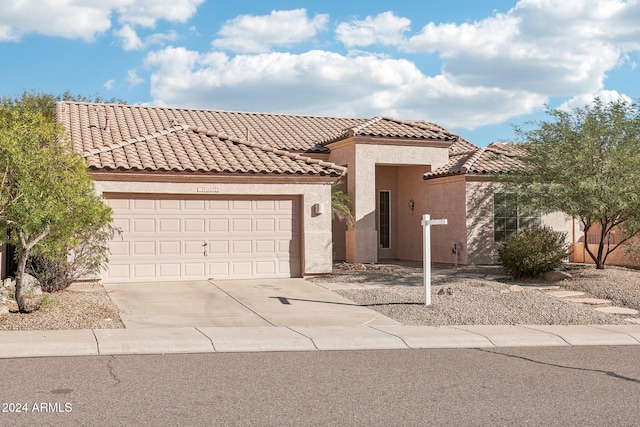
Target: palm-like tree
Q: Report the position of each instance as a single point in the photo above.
(341, 204)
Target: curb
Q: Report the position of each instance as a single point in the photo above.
(100, 342)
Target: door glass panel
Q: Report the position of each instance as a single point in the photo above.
(384, 218)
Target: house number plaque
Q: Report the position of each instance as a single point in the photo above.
(208, 190)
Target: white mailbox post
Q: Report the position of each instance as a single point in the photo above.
(427, 222)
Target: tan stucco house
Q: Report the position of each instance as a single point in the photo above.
(204, 194)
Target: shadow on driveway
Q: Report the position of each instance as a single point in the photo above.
(251, 302)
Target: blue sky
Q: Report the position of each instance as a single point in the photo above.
(475, 67)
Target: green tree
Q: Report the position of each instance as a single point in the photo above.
(585, 163)
(341, 204)
(46, 102)
(46, 193)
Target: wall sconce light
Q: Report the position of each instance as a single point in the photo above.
(412, 205)
(318, 209)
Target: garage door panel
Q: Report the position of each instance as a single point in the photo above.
(242, 268)
(266, 268)
(192, 225)
(194, 269)
(118, 271)
(169, 225)
(242, 247)
(168, 205)
(163, 238)
(266, 225)
(241, 205)
(144, 248)
(219, 225)
(144, 271)
(269, 205)
(170, 270)
(195, 205)
(239, 225)
(192, 247)
(122, 223)
(170, 247)
(265, 246)
(219, 206)
(219, 247)
(119, 248)
(144, 205)
(144, 225)
(285, 225)
(218, 269)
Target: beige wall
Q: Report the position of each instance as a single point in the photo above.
(387, 180)
(481, 248)
(445, 198)
(361, 159)
(480, 237)
(316, 229)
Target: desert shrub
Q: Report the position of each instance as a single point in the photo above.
(57, 267)
(53, 274)
(533, 251)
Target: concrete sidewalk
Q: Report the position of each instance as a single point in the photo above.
(303, 338)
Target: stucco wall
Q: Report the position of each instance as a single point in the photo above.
(445, 198)
(387, 180)
(316, 229)
(482, 249)
(361, 160)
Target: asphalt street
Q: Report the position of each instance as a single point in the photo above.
(481, 387)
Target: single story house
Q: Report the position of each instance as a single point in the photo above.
(204, 194)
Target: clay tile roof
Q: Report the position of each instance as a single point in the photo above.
(121, 137)
(136, 137)
(498, 157)
(394, 128)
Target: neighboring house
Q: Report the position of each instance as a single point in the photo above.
(204, 194)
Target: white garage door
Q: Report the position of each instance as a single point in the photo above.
(200, 238)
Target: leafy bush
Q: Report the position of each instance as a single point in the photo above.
(57, 267)
(533, 251)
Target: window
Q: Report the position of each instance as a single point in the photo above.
(509, 216)
(384, 219)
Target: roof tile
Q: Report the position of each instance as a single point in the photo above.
(117, 136)
(495, 158)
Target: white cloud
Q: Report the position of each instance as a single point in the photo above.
(130, 40)
(83, 19)
(258, 34)
(108, 85)
(580, 101)
(312, 82)
(133, 79)
(493, 70)
(549, 47)
(385, 29)
(146, 13)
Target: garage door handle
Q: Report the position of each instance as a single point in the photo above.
(205, 248)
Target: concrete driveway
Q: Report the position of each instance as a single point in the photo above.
(255, 302)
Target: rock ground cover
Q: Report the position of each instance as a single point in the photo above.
(84, 305)
(462, 296)
(483, 295)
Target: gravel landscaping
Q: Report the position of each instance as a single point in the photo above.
(84, 305)
(462, 296)
(483, 295)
